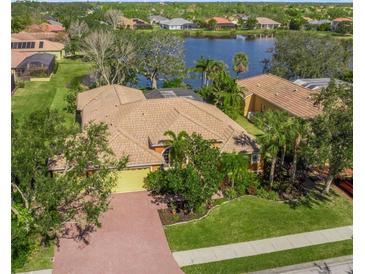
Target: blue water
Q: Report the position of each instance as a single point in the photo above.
(224, 49)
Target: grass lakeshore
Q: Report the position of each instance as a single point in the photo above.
(273, 260)
(251, 218)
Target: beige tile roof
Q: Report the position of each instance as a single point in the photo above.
(266, 21)
(47, 45)
(288, 96)
(35, 35)
(17, 57)
(137, 124)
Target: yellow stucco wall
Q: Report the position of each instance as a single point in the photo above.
(255, 103)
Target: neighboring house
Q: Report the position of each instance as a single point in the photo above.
(267, 23)
(51, 36)
(41, 46)
(45, 27)
(319, 22)
(54, 22)
(125, 22)
(172, 93)
(140, 24)
(269, 92)
(223, 23)
(157, 19)
(38, 65)
(137, 125)
(316, 83)
(177, 24)
(337, 21)
(16, 58)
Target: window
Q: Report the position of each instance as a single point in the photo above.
(255, 158)
(166, 155)
(41, 43)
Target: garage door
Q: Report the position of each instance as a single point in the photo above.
(131, 180)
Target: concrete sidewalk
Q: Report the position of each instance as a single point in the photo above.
(245, 249)
(339, 265)
(44, 271)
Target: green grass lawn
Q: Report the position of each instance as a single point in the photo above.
(41, 258)
(247, 125)
(40, 95)
(252, 218)
(272, 260)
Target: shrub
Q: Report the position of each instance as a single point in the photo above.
(269, 195)
(230, 193)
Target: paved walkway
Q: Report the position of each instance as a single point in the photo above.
(43, 271)
(131, 241)
(244, 249)
(339, 265)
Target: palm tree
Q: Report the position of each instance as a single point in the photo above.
(201, 66)
(215, 67)
(240, 62)
(176, 144)
(235, 165)
(273, 138)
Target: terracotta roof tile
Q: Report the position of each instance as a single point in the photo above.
(286, 95)
(136, 124)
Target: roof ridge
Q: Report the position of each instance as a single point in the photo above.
(117, 94)
(151, 152)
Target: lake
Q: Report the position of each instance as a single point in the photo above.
(224, 49)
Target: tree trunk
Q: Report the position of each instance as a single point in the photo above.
(329, 181)
(283, 152)
(153, 83)
(205, 80)
(295, 157)
(272, 170)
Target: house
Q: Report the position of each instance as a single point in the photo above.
(269, 92)
(316, 83)
(172, 93)
(16, 58)
(140, 24)
(157, 19)
(51, 36)
(319, 22)
(125, 22)
(137, 125)
(177, 24)
(45, 27)
(36, 65)
(54, 22)
(223, 23)
(267, 23)
(38, 46)
(335, 23)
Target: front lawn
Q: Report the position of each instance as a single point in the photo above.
(40, 95)
(273, 260)
(41, 258)
(251, 218)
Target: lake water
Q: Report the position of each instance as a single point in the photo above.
(224, 49)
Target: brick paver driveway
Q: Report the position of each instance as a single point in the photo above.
(131, 240)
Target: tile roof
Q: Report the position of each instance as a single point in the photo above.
(34, 35)
(221, 20)
(17, 57)
(266, 21)
(44, 27)
(283, 93)
(136, 124)
(176, 22)
(342, 19)
(47, 45)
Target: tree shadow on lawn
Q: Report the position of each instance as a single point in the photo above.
(313, 194)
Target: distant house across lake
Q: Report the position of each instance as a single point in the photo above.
(157, 19)
(336, 22)
(223, 23)
(177, 24)
(267, 23)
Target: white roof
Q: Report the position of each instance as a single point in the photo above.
(176, 22)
